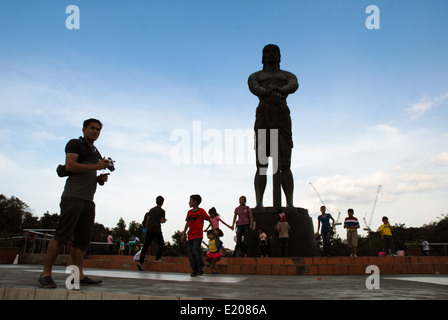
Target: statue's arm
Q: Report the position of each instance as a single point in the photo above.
(255, 87)
(292, 84)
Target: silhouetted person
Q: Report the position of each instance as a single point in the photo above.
(153, 228)
(82, 161)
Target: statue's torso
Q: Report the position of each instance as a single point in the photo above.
(267, 79)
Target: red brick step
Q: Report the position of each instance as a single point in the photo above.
(284, 266)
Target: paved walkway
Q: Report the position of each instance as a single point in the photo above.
(20, 282)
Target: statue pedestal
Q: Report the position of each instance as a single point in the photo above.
(302, 242)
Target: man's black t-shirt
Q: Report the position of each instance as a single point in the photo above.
(154, 217)
(81, 185)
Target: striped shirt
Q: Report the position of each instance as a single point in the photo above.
(351, 223)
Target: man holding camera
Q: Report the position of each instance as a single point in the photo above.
(77, 216)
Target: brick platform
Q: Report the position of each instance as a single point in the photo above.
(387, 265)
(285, 266)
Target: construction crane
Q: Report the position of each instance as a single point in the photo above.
(367, 228)
(337, 223)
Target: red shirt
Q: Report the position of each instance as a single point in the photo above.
(195, 222)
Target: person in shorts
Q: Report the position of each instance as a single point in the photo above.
(351, 223)
(77, 216)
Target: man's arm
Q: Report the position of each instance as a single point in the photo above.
(147, 223)
(72, 165)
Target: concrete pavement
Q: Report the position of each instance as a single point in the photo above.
(20, 282)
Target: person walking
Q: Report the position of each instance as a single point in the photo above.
(213, 255)
(153, 228)
(195, 224)
(110, 244)
(425, 247)
(244, 224)
(326, 229)
(215, 219)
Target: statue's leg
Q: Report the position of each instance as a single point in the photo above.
(287, 178)
(260, 182)
(288, 187)
(261, 155)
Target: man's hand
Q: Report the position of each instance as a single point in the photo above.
(102, 178)
(102, 164)
(72, 165)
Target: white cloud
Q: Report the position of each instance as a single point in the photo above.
(47, 136)
(424, 105)
(419, 108)
(440, 160)
(6, 166)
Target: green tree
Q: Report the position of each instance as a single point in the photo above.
(136, 229)
(120, 230)
(30, 221)
(100, 233)
(178, 248)
(49, 221)
(13, 212)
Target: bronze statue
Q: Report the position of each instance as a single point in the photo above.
(273, 133)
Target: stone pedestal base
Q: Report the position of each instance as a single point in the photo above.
(302, 242)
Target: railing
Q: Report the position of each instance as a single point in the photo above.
(36, 241)
(435, 249)
(11, 241)
(442, 247)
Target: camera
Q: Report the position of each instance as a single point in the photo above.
(111, 166)
(62, 172)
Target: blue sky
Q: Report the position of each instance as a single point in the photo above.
(371, 108)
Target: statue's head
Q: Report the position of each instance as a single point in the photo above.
(271, 54)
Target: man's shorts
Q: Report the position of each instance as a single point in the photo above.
(76, 220)
(352, 238)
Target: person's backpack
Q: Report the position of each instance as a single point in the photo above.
(144, 219)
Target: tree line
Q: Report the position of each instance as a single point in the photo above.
(15, 216)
